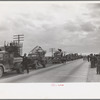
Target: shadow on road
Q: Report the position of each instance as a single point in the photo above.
(14, 73)
(9, 74)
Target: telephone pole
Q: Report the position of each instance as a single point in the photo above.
(18, 38)
(52, 51)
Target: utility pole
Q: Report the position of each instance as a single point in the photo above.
(64, 53)
(18, 38)
(52, 51)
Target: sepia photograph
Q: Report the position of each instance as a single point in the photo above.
(49, 42)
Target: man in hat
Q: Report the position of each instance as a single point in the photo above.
(25, 63)
(92, 60)
(98, 64)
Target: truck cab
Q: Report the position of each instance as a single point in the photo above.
(9, 63)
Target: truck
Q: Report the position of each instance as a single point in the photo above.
(10, 59)
(58, 57)
(36, 57)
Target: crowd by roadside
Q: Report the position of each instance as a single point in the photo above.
(94, 68)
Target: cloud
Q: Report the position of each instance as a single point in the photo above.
(94, 6)
(67, 26)
(88, 27)
(94, 10)
(71, 26)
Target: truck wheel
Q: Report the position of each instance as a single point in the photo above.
(43, 65)
(1, 72)
(20, 71)
(36, 66)
(17, 71)
(33, 66)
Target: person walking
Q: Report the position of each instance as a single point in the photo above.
(92, 60)
(98, 65)
(25, 63)
(88, 58)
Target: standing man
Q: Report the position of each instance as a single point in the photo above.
(88, 58)
(98, 64)
(25, 63)
(93, 60)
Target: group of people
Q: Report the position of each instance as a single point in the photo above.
(29, 62)
(93, 59)
(95, 62)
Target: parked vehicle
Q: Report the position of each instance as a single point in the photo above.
(10, 60)
(37, 57)
(59, 57)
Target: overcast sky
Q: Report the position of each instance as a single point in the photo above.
(73, 27)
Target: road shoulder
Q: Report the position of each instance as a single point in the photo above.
(92, 75)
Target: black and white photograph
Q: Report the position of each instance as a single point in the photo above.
(49, 42)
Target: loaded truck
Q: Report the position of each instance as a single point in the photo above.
(59, 57)
(10, 59)
(36, 57)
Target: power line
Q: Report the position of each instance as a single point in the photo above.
(18, 38)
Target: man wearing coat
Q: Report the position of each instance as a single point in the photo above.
(98, 64)
(25, 63)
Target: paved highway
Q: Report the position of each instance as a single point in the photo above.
(72, 71)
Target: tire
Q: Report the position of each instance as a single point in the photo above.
(33, 66)
(36, 66)
(20, 70)
(43, 65)
(1, 72)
